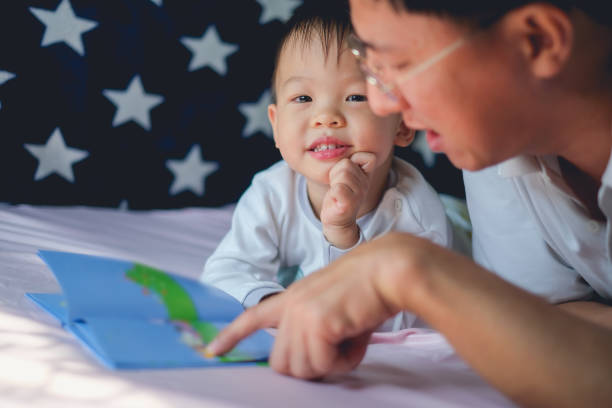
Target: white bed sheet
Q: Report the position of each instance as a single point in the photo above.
(42, 365)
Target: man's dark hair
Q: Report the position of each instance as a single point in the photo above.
(486, 12)
(330, 23)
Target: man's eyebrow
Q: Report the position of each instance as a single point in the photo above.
(376, 47)
(368, 45)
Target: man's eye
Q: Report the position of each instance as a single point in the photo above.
(302, 99)
(357, 98)
(401, 67)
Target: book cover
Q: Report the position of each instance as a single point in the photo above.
(131, 315)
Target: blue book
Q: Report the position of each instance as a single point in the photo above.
(131, 315)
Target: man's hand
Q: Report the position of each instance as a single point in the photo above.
(348, 186)
(325, 320)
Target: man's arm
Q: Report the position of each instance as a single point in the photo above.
(535, 353)
(595, 312)
(532, 351)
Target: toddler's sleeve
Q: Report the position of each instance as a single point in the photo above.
(335, 253)
(247, 259)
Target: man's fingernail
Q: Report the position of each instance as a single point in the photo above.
(211, 350)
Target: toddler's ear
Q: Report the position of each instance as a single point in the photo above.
(272, 119)
(404, 136)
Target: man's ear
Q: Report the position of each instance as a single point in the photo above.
(545, 36)
(404, 136)
(272, 119)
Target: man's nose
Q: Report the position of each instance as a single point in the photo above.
(383, 104)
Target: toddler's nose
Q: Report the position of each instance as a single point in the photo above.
(329, 119)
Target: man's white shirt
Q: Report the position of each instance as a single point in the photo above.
(529, 228)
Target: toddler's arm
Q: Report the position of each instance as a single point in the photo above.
(246, 261)
(348, 186)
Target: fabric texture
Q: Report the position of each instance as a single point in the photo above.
(529, 227)
(44, 366)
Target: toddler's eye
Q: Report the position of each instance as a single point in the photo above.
(302, 99)
(357, 98)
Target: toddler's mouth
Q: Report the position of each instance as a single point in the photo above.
(324, 147)
(327, 148)
(326, 143)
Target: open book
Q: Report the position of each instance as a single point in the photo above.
(134, 316)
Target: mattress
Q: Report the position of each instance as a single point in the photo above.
(42, 365)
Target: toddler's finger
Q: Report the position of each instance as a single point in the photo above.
(342, 195)
(349, 173)
(338, 168)
(365, 160)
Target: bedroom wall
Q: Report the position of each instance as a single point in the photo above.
(144, 103)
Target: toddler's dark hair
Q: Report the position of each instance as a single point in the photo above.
(330, 23)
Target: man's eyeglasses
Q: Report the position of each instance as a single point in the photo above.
(374, 76)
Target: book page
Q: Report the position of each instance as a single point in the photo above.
(103, 287)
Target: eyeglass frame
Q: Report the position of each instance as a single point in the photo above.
(358, 49)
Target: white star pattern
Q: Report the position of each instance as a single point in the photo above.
(209, 50)
(62, 25)
(133, 104)
(277, 9)
(143, 80)
(5, 76)
(191, 172)
(55, 157)
(420, 146)
(257, 116)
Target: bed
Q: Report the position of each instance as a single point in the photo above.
(44, 366)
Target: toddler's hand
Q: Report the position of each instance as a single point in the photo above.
(348, 186)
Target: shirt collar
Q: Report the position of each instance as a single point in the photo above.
(606, 179)
(547, 166)
(518, 166)
(522, 165)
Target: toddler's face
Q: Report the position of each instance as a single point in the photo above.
(322, 114)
